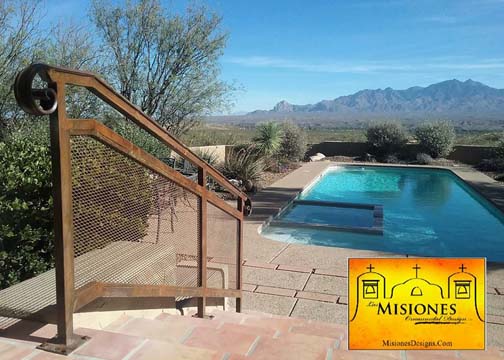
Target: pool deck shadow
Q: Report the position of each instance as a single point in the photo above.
(310, 281)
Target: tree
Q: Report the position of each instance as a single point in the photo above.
(166, 64)
(71, 46)
(18, 41)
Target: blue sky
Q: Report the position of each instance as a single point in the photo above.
(306, 51)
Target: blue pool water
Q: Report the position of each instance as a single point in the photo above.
(426, 212)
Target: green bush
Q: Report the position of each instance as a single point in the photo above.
(293, 145)
(122, 193)
(244, 165)
(436, 139)
(26, 210)
(386, 138)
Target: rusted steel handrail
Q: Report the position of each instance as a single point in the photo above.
(51, 101)
(27, 98)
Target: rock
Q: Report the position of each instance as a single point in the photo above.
(317, 157)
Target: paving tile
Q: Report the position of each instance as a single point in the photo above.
(334, 272)
(188, 320)
(343, 300)
(499, 291)
(292, 346)
(489, 354)
(495, 304)
(260, 265)
(277, 305)
(317, 296)
(327, 284)
(100, 346)
(248, 329)
(495, 335)
(431, 354)
(157, 329)
(13, 352)
(321, 329)
(316, 310)
(222, 340)
(275, 278)
(227, 317)
(275, 291)
(363, 355)
(44, 355)
(249, 287)
(321, 257)
(158, 350)
(281, 324)
(302, 269)
(495, 319)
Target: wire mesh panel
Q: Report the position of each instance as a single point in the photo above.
(131, 225)
(222, 248)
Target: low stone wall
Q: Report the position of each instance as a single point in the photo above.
(219, 151)
(468, 154)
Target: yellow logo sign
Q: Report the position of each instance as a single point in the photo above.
(413, 303)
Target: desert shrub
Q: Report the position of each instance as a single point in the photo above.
(424, 159)
(495, 164)
(293, 145)
(391, 159)
(26, 210)
(499, 149)
(209, 156)
(436, 139)
(244, 165)
(386, 138)
(268, 138)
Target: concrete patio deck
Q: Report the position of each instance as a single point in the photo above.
(310, 282)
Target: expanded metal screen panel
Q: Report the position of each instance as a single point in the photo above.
(131, 225)
(222, 248)
(149, 143)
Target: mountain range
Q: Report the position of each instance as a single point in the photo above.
(450, 95)
(467, 103)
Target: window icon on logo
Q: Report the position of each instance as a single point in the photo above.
(370, 289)
(462, 289)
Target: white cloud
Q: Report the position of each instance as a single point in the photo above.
(447, 20)
(362, 67)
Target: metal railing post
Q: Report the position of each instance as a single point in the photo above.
(239, 256)
(202, 243)
(66, 340)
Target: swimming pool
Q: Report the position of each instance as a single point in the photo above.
(426, 212)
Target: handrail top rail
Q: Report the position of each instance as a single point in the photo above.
(26, 97)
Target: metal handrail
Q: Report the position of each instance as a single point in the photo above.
(51, 101)
(27, 99)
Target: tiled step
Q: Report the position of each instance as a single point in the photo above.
(227, 336)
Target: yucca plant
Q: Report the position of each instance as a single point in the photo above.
(269, 138)
(244, 165)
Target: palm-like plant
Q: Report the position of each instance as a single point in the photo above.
(269, 138)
